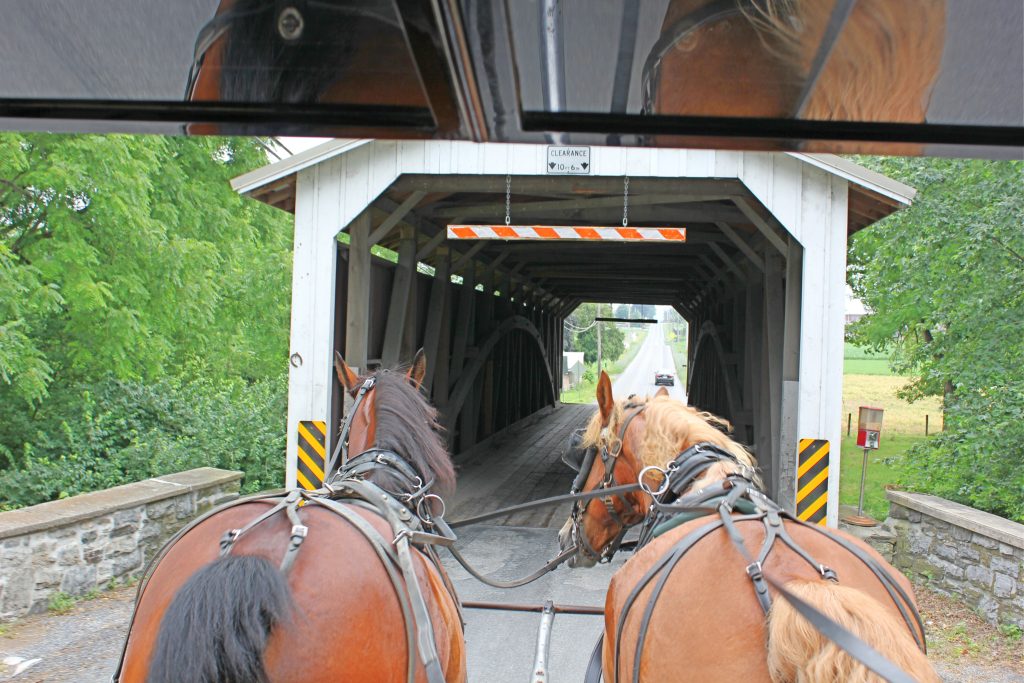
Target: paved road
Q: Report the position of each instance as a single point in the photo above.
(638, 377)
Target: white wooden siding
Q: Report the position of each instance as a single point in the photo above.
(807, 200)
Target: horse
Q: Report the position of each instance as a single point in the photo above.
(337, 584)
(693, 602)
(846, 60)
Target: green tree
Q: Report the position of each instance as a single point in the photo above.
(944, 281)
(125, 255)
(582, 329)
(129, 267)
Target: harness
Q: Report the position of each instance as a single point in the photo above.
(736, 500)
(408, 513)
(608, 459)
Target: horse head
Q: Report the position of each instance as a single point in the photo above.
(634, 441)
(390, 414)
(611, 443)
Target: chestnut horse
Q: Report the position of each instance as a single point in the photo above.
(693, 603)
(309, 586)
(831, 60)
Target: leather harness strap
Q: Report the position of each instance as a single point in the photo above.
(349, 487)
(724, 498)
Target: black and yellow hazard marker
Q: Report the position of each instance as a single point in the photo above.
(312, 454)
(812, 481)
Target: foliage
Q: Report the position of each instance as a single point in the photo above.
(582, 333)
(125, 255)
(115, 432)
(143, 312)
(61, 603)
(944, 284)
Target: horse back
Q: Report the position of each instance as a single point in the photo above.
(346, 621)
(707, 623)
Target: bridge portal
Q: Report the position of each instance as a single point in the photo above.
(759, 276)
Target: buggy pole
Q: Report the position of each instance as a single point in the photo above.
(540, 663)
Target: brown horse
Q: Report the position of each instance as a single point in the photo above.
(836, 60)
(333, 609)
(709, 622)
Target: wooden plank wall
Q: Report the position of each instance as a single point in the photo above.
(511, 383)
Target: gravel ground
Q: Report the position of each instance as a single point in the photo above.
(82, 646)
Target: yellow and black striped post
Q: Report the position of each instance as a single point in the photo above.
(312, 454)
(812, 481)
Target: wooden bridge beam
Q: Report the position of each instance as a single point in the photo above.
(401, 299)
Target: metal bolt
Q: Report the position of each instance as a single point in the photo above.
(290, 24)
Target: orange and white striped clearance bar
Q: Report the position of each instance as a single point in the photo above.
(560, 232)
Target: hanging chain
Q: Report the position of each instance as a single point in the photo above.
(625, 202)
(508, 199)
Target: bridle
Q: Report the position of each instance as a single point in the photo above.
(415, 485)
(720, 10)
(609, 458)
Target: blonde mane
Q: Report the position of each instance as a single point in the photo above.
(884, 64)
(670, 428)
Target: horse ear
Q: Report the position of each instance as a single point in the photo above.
(661, 392)
(418, 369)
(604, 397)
(348, 379)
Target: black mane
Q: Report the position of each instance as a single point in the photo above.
(407, 424)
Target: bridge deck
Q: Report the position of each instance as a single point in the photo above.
(522, 464)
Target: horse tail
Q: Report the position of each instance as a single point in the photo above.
(799, 653)
(216, 627)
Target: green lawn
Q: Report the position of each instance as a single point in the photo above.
(866, 366)
(858, 361)
(881, 471)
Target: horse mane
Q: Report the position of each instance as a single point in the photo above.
(671, 427)
(408, 425)
(883, 65)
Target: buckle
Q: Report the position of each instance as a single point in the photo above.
(754, 571)
(299, 531)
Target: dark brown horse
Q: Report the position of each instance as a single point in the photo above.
(686, 605)
(306, 594)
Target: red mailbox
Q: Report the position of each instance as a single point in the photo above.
(869, 427)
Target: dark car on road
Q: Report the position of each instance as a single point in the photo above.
(664, 377)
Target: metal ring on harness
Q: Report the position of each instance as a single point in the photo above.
(647, 489)
(429, 514)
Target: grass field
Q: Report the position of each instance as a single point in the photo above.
(881, 471)
(857, 361)
(900, 417)
(868, 381)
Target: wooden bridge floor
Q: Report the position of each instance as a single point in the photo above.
(522, 464)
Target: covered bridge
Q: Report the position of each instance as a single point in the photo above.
(760, 277)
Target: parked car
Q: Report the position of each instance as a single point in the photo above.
(665, 377)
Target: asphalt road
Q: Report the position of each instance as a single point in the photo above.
(638, 377)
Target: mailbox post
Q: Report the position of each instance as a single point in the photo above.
(869, 436)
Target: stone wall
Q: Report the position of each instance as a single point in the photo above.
(84, 542)
(961, 551)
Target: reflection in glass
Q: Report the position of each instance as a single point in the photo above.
(304, 52)
(853, 60)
